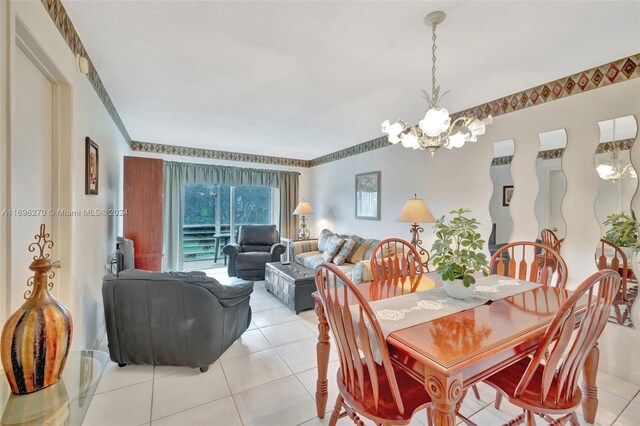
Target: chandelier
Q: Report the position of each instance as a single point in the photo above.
(613, 170)
(436, 129)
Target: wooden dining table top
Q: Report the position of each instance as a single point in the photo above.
(458, 340)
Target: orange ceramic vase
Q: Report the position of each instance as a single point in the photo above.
(37, 337)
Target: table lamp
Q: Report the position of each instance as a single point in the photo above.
(303, 209)
(416, 211)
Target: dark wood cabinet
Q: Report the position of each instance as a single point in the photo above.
(143, 181)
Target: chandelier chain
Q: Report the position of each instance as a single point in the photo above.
(433, 67)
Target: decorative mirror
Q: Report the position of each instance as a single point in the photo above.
(552, 184)
(618, 184)
(502, 191)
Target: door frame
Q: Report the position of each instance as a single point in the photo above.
(18, 36)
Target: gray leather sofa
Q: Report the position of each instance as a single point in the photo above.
(257, 245)
(173, 318)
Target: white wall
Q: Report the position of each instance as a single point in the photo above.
(461, 178)
(91, 240)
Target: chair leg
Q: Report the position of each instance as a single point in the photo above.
(498, 400)
(530, 418)
(429, 419)
(476, 392)
(574, 419)
(335, 414)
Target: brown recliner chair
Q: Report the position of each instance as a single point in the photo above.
(256, 245)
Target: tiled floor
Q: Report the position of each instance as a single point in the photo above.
(268, 378)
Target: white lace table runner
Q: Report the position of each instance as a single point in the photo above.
(411, 309)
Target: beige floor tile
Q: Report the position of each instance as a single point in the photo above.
(311, 322)
(252, 326)
(265, 304)
(168, 370)
(631, 415)
(187, 389)
(609, 407)
(346, 421)
(130, 405)
(115, 377)
(254, 370)
(301, 356)
(486, 417)
(273, 316)
(250, 342)
(281, 403)
(617, 386)
(220, 412)
(289, 332)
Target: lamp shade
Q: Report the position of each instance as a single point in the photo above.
(303, 208)
(415, 211)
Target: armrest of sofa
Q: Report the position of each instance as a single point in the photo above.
(277, 250)
(232, 251)
(297, 247)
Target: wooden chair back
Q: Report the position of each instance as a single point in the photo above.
(550, 239)
(395, 258)
(617, 261)
(562, 357)
(529, 261)
(354, 327)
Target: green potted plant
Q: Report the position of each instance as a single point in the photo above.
(457, 253)
(622, 230)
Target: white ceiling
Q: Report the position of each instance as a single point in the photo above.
(303, 79)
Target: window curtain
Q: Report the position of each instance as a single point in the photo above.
(288, 202)
(176, 175)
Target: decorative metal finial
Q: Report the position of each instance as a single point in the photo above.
(42, 243)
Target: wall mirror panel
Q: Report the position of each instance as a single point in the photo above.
(618, 185)
(552, 185)
(502, 191)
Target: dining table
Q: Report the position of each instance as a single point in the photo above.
(452, 353)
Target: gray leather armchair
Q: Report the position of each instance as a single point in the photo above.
(257, 245)
(173, 318)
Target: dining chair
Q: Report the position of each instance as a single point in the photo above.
(547, 384)
(395, 258)
(614, 258)
(530, 261)
(369, 385)
(550, 238)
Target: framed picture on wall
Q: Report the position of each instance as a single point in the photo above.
(507, 193)
(368, 196)
(91, 166)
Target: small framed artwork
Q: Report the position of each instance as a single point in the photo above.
(91, 167)
(368, 196)
(507, 193)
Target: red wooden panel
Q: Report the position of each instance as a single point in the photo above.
(143, 203)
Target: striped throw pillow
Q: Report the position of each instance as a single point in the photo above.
(323, 239)
(344, 252)
(332, 248)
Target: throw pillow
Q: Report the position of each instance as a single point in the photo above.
(323, 238)
(363, 250)
(344, 252)
(332, 248)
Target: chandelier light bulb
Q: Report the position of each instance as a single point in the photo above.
(435, 122)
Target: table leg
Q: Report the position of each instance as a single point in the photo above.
(322, 351)
(589, 388)
(445, 392)
(216, 250)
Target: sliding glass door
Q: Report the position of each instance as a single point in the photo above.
(212, 211)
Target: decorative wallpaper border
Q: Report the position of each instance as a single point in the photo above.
(60, 18)
(622, 144)
(604, 75)
(218, 155)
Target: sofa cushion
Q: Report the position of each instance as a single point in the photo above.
(252, 260)
(252, 247)
(344, 252)
(332, 248)
(363, 250)
(323, 238)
